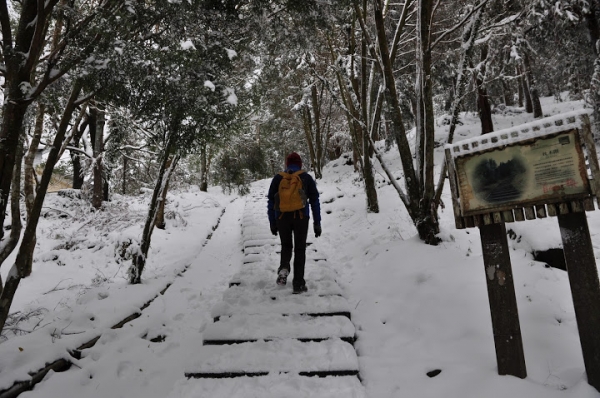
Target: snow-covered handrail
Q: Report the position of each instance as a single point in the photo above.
(535, 129)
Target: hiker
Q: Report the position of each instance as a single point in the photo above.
(290, 194)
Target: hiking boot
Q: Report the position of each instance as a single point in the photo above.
(300, 289)
(282, 276)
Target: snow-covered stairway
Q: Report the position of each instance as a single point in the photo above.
(267, 342)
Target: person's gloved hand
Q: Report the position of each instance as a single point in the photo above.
(317, 230)
(274, 229)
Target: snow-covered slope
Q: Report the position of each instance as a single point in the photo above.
(416, 308)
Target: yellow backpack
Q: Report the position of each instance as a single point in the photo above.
(291, 195)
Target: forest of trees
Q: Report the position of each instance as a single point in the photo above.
(154, 94)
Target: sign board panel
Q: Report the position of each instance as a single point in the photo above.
(541, 170)
(546, 167)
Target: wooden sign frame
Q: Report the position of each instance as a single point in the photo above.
(580, 169)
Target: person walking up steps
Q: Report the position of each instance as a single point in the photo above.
(290, 194)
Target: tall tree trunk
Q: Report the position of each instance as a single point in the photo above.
(368, 173)
(78, 178)
(164, 174)
(316, 107)
(427, 223)
(397, 124)
(526, 92)
(98, 190)
(308, 132)
(536, 106)
(351, 117)
(125, 171)
(30, 176)
(483, 104)
(204, 168)
(160, 215)
(484, 110)
(17, 59)
(22, 266)
(520, 84)
(106, 187)
(419, 197)
(591, 21)
(595, 92)
(468, 44)
(8, 245)
(12, 124)
(30, 181)
(507, 93)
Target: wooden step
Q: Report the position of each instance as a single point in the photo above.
(253, 258)
(263, 235)
(261, 274)
(241, 328)
(332, 357)
(271, 386)
(301, 304)
(267, 286)
(268, 241)
(272, 240)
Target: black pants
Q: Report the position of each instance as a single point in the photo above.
(291, 224)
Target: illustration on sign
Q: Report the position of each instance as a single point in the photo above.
(499, 183)
(546, 167)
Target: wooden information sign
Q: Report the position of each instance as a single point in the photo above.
(548, 167)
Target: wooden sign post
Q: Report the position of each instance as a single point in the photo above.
(503, 302)
(545, 168)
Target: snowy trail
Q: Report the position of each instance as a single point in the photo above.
(266, 342)
(146, 357)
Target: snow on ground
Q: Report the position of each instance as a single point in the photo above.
(416, 308)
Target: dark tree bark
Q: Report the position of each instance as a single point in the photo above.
(591, 21)
(595, 94)
(30, 181)
(368, 173)
(427, 226)
(78, 178)
(507, 94)
(12, 123)
(204, 166)
(8, 245)
(19, 68)
(417, 201)
(316, 107)
(536, 106)
(483, 104)
(125, 171)
(160, 215)
(164, 174)
(106, 189)
(22, 266)
(526, 89)
(77, 171)
(98, 146)
(308, 133)
(520, 89)
(468, 44)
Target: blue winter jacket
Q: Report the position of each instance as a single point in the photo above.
(310, 188)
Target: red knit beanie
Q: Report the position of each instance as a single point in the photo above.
(293, 158)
